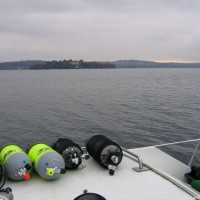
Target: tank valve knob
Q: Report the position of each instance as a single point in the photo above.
(75, 160)
(85, 191)
(28, 166)
(112, 169)
(115, 159)
(63, 171)
(50, 172)
(55, 170)
(27, 176)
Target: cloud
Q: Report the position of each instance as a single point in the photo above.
(99, 30)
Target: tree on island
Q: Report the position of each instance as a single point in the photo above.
(73, 64)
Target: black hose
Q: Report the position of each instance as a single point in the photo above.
(2, 176)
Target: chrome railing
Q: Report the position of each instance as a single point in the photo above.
(182, 142)
(143, 166)
(139, 160)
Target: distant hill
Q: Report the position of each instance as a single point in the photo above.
(19, 64)
(70, 64)
(151, 64)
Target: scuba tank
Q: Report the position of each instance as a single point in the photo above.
(47, 162)
(6, 194)
(16, 162)
(89, 196)
(70, 151)
(106, 152)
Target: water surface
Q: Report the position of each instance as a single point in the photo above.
(134, 107)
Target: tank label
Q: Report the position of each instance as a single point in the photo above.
(37, 151)
(9, 151)
(43, 150)
(8, 154)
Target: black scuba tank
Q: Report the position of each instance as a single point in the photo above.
(89, 196)
(106, 152)
(70, 151)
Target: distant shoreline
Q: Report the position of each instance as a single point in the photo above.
(74, 64)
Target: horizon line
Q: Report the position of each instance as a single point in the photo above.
(157, 61)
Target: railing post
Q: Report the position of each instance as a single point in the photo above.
(141, 166)
(193, 154)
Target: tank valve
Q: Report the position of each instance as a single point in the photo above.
(73, 156)
(6, 194)
(112, 169)
(115, 159)
(23, 172)
(55, 170)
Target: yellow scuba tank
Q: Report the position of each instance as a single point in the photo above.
(16, 162)
(48, 163)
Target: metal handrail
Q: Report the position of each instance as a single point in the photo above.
(144, 166)
(141, 166)
(183, 187)
(181, 142)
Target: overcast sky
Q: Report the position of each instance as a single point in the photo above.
(160, 30)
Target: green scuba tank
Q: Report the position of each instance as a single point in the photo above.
(48, 163)
(16, 162)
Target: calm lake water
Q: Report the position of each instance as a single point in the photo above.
(134, 107)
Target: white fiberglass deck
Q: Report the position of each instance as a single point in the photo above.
(126, 184)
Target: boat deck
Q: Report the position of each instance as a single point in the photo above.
(126, 183)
